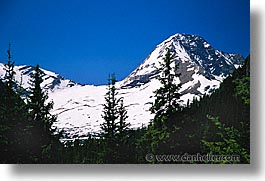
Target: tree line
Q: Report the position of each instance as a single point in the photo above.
(216, 124)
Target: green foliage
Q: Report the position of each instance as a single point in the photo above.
(228, 143)
(243, 89)
(242, 82)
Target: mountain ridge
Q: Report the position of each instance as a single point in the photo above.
(51, 81)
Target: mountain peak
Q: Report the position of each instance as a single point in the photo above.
(194, 55)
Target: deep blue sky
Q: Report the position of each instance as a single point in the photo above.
(85, 40)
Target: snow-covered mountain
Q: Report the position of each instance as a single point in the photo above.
(52, 81)
(79, 108)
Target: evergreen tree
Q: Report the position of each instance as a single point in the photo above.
(13, 117)
(167, 95)
(110, 116)
(43, 141)
(39, 110)
(114, 128)
(10, 83)
(4, 125)
(110, 110)
(166, 103)
(9, 69)
(124, 136)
